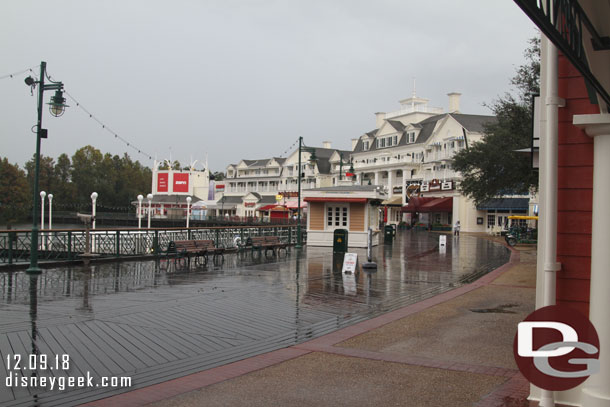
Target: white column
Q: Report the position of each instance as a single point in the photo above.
(391, 174)
(404, 187)
(376, 178)
(596, 392)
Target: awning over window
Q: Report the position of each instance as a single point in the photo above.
(334, 199)
(274, 208)
(438, 205)
(504, 204)
(395, 201)
(415, 203)
(293, 204)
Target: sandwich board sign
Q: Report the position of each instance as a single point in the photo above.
(442, 241)
(349, 263)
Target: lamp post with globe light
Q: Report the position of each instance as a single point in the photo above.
(312, 160)
(188, 210)
(57, 108)
(149, 197)
(42, 196)
(93, 208)
(140, 198)
(50, 196)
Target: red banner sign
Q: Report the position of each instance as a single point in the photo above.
(162, 181)
(181, 182)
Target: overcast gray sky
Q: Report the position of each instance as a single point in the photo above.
(243, 79)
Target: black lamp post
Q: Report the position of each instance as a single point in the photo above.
(56, 107)
(351, 169)
(312, 159)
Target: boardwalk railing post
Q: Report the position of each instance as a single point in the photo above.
(11, 240)
(289, 234)
(118, 243)
(156, 243)
(69, 245)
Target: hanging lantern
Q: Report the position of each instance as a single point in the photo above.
(57, 105)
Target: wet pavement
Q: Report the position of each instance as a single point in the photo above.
(154, 322)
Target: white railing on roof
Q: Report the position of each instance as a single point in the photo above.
(413, 109)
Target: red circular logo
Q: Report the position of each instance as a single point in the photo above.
(556, 348)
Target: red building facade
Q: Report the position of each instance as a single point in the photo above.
(575, 191)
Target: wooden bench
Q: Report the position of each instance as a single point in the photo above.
(267, 243)
(185, 249)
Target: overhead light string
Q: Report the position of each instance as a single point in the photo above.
(14, 74)
(289, 149)
(105, 127)
(108, 129)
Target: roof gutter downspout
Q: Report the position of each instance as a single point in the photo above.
(549, 185)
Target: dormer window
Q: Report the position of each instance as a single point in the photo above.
(411, 136)
(389, 141)
(365, 145)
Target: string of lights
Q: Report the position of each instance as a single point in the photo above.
(91, 115)
(12, 75)
(106, 128)
(289, 149)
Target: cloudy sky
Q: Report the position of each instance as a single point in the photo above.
(238, 79)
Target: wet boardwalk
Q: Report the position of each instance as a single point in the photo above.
(139, 319)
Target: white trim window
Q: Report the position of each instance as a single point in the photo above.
(365, 145)
(411, 135)
(337, 216)
(491, 220)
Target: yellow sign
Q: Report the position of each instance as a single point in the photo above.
(279, 197)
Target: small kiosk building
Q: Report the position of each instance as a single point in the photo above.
(351, 207)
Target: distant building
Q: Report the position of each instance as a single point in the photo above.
(170, 188)
(410, 153)
(254, 184)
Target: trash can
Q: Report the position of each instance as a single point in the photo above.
(388, 233)
(340, 241)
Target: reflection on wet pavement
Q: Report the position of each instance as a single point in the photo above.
(154, 321)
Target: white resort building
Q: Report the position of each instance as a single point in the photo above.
(253, 186)
(410, 153)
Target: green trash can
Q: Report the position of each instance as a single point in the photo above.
(340, 241)
(388, 233)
